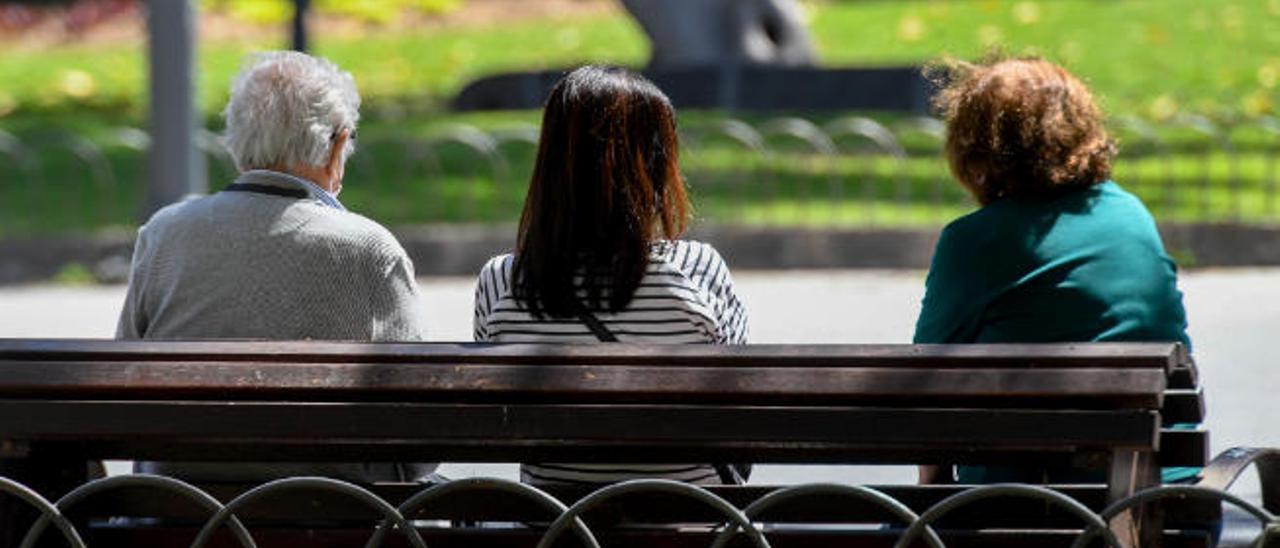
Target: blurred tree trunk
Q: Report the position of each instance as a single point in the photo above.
(716, 32)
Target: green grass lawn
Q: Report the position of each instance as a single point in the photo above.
(1144, 57)
(1153, 60)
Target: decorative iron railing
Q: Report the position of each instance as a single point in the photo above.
(567, 519)
(844, 171)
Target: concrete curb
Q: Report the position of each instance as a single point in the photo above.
(460, 250)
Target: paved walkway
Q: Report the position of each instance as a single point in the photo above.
(1234, 315)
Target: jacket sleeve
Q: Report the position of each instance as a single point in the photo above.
(132, 323)
(398, 304)
(486, 296)
(954, 293)
(731, 314)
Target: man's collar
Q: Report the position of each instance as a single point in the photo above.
(286, 180)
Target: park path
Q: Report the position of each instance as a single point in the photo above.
(1234, 314)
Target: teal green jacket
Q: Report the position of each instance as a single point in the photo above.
(1084, 266)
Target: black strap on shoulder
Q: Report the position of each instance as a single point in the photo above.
(267, 189)
(595, 325)
(730, 474)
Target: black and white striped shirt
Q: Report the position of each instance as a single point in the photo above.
(686, 296)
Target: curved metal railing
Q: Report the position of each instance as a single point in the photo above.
(735, 521)
(844, 171)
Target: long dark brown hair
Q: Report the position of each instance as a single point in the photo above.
(605, 185)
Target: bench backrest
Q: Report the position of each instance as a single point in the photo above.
(238, 400)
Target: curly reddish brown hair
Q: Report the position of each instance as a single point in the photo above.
(1021, 128)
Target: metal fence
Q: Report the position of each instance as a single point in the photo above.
(842, 171)
(567, 519)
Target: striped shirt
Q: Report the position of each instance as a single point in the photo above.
(686, 296)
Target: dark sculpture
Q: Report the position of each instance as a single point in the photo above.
(685, 33)
(729, 54)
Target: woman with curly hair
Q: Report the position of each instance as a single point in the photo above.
(1057, 252)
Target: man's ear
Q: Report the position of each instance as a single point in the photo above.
(334, 169)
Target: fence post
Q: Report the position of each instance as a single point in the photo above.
(300, 9)
(175, 167)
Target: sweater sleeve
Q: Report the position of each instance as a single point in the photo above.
(133, 320)
(709, 271)
(953, 293)
(488, 283)
(731, 314)
(397, 303)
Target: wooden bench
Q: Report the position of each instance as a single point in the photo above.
(1103, 406)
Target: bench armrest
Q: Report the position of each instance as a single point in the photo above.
(1225, 468)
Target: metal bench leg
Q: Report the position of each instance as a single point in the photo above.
(1133, 471)
(51, 475)
(1271, 537)
(1269, 477)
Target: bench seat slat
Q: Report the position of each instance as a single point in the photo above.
(1183, 406)
(1086, 388)
(1159, 355)
(1183, 447)
(397, 431)
(1185, 378)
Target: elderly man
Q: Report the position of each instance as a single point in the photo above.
(275, 255)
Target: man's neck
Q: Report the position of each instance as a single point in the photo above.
(314, 174)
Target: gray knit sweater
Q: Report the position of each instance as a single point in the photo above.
(245, 265)
(258, 266)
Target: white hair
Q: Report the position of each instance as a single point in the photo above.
(286, 108)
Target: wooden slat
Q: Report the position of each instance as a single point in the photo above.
(1057, 388)
(1183, 378)
(388, 431)
(599, 451)
(1183, 406)
(1125, 355)
(1183, 447)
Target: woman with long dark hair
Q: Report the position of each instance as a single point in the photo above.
(598, 256)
